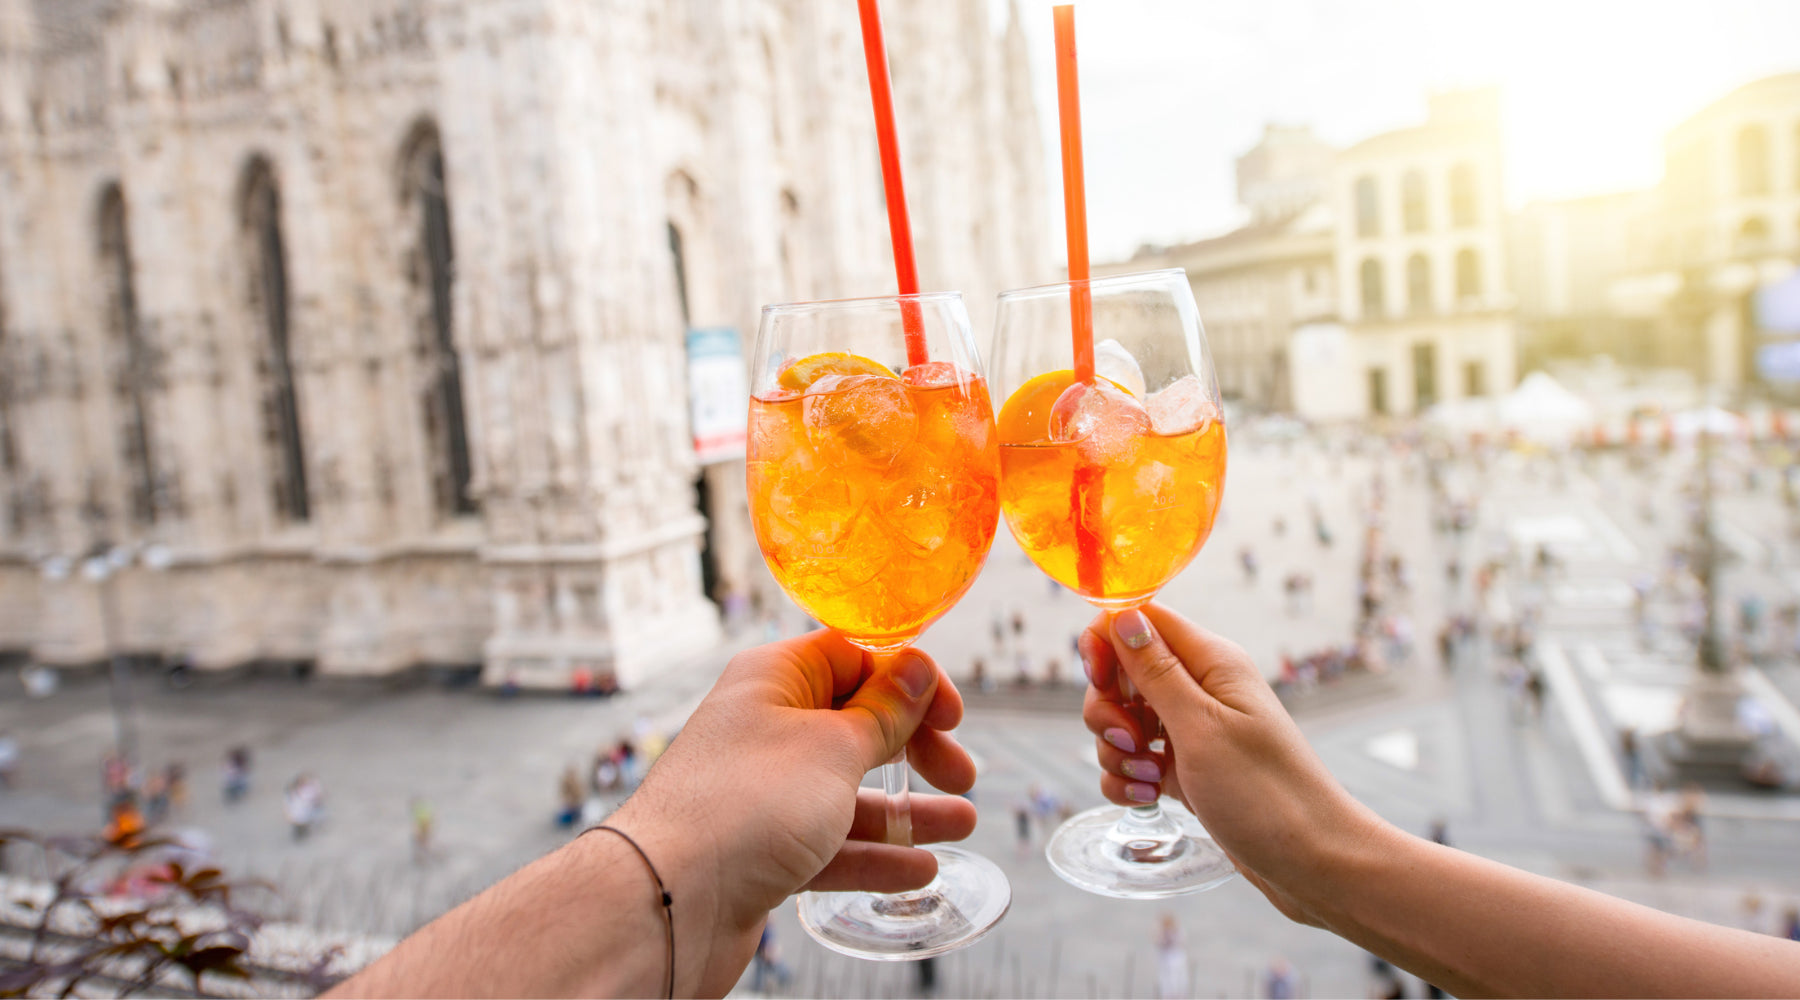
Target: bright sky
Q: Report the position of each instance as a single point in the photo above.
(1173, 90)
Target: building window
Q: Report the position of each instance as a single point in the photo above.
(433, 271)
(1463, 210)
(1418, 284)
(1412, 201)
(1424, 364)
(1368, 208)
(1378, 401)
(1474, 379)
(133, 365)
(1753, 160)
(680, 262)
(1373, 303)
(260, 212)
(1468, 275)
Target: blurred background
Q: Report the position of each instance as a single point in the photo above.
(373, 395)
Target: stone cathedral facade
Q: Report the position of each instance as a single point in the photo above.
(368, 316)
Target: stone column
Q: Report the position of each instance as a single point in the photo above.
(571, 343)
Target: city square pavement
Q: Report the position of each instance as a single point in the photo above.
(1418, 744)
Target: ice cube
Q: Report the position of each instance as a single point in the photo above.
(927, 494)
(1107, 425)
(863, 418)
(934, 375)
(1181, 407)
(1113, 361)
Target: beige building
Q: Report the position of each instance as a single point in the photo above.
(1257, 284)
(1420, 254)
(368, 315)
(1666, 277)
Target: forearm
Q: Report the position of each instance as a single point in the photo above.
(583, 921)
(1479, 928)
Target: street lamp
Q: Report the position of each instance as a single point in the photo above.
(101, 564)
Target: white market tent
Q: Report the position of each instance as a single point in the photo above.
(1538, 409)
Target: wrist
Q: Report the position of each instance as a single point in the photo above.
(686, 862)
(1348, 864)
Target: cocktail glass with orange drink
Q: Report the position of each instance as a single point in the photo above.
(1111, 486)
(874, 492)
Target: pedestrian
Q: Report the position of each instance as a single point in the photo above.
(1247, 558)
(9, 759)
(1534, 692)
(1659, 821)
(766, 968)
(156, 798)
(235, 779)
(1446, 644)
(1689, 830)
(1280, 983)
(1440, 831)
(303, 803)
(175, 782)
(1171, 960)
(1634, 758)
(421, 829)
(125, 824)
(568, 797)
(1790, 923)
(927, 972)
(1387, 980)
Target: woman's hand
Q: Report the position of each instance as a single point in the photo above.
(758, 797)
(1232, 755)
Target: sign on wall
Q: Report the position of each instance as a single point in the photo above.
(718, 393)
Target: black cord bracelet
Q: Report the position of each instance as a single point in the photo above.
(662, 894)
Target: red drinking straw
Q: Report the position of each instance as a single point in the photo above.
(1068, 102)
(881, 92)
(1086, 490)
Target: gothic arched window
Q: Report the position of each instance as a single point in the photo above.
(1372, 299)
(1468, 275)
(133, 365)
(680, 261)
(1418, 284)
(260, 216)
(1463, 197)
(1412, 201)
(9, 452)
(1368, 207)
(1753, 160)
(433, 264)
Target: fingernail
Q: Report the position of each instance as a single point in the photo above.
(1134, 628)
(913, 675)
(1142, 770)
(1121, 739)
(1140, 792)
(1087, 667)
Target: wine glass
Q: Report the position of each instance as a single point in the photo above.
(1111, 485)
(873, 483)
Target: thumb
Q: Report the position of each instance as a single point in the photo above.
(888, 707)
(1153, 667)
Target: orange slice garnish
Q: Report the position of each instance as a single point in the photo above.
(805, 371)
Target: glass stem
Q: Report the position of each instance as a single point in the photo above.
(1149, 817)
(895, 782)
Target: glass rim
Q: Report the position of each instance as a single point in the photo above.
(863, 300)
(1129, 278)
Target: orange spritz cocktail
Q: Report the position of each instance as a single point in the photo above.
(1140, 479)
(873, 494)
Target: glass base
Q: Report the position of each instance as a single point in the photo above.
(958, 908)
(1126, 854)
